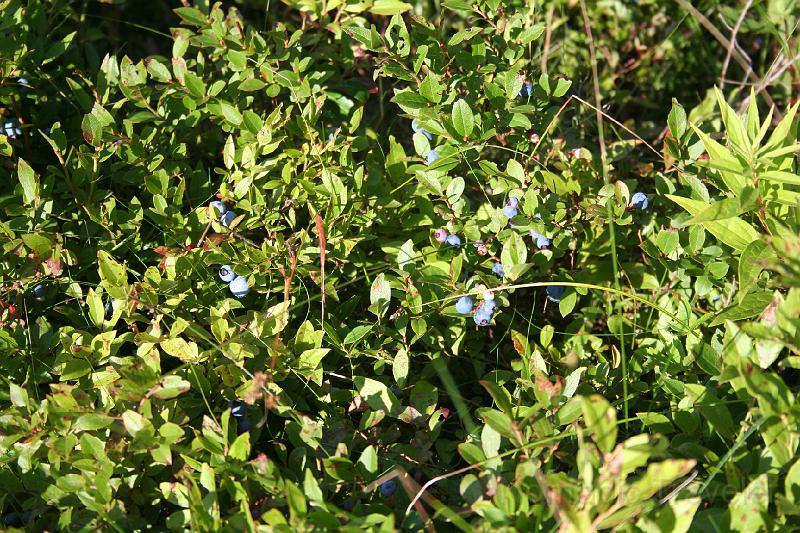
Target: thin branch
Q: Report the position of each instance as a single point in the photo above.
(732, 43)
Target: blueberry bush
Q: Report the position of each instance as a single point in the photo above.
(462, 265)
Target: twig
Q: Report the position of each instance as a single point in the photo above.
(287, 286)
(322, 244)
(548, 33)
(732, 42)
(743, 61)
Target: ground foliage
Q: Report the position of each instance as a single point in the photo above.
(638, 368)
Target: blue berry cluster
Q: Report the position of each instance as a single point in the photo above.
(511, 208)
(226, 216)
(483, 314)
(236, 284)
(11, 130)
(239, 412)
(432, 155)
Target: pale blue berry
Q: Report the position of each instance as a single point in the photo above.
(219, 206)
(488, 307)
(226, 273)
(432, 156)
(541, 240)
(498, 269)
(640, 201)
(527, 90)
(227, 218)
(509, 211)
(238, 408)
(464, 305)
(239, 286)
(482, 318)
(453, 240)
(513, 202)
(419, 129)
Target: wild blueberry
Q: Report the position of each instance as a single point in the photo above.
(554, 293)
(432, 156)
(419, 129)
(453, 240)
(226, 273)
(440, 235)
(227, 218)
(640, 201)
(541, 240)
(219, 206)
(464, 305)
(108, 309)
(10, 131)
(39, 292)
(488, 307)
(498, 269)
(238, 408)
(243, 425)
(239, 287)
(13, 520)
(23, 85)
(481, 317)
(510, 211)
(388, 487)
(513, 202)
(527, 90)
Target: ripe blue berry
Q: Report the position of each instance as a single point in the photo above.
(227, 218)
(453, 240)
(388, 487)
(39, 292)
(488, 307)
(513, 202)
(432, 156)
(464, 305)
(108, 309)
(219, 206)
(498, 269)
(554, 293)
(527, 90)
(239, 287)
(243, 425)
(419, 129)
(481, 317)
(509, 211)
(23, 85)
(226, 273)
(541, 240)
(640, 201)
(238, 408)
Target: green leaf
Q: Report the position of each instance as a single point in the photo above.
(749, 507)
(601, 421)
(752, 305)
(389, 7)
(515, 252)
(734, 232)
(463, 121)
(192, 16)
(29, 181)
(677, 120)
(752, 262)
